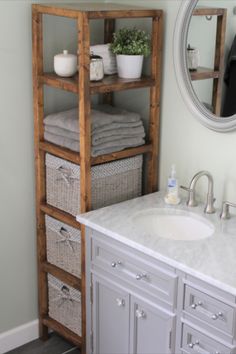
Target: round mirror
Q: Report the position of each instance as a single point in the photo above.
(205, 60)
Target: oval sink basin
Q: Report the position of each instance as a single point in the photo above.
(173, 224)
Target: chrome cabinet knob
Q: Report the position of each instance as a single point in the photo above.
(215, 316)
(141, 276)
(120, 302)
(140, 314)
(191, 345)
(194, 306)
(115, 264)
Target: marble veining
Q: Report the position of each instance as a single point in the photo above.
(212, 259)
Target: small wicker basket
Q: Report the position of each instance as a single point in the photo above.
(112, 182)
(64, 304)
(63, 246)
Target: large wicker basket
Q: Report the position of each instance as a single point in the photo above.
(64, 304)
(112, 182)
(63, 246)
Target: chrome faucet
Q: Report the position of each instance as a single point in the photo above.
(209, 208)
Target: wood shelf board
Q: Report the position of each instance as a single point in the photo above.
(110, 83)
(203, 73)
(96, 10)
(209, 11)
(62, 330)
(147, 148)
(59, 151)
(74, 157)
(60, 215)
(62, 275)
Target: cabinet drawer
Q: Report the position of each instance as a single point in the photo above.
(194, 341)
(146, 276)
(208, 309)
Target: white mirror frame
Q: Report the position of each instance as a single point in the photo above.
(207, 118)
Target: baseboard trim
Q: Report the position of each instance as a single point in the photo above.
(18, 336)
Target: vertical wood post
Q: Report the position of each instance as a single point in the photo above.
(85, 147)
(154, 119)
(219, 63)
(37, 29)
(109, 29)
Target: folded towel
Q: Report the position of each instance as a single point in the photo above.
(99, 135)
(102, 116)
(101, 149)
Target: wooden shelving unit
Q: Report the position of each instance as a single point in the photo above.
(82, 86)
(216, 73)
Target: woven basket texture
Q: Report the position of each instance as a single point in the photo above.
(112, 183)
(64, 304)
(63, 246)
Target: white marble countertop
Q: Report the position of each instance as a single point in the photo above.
(212, 259)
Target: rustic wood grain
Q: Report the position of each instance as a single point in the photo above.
(61, 152)
(109, 29)
(122, 154)
(85, 147)
(203, 73)
(60, 215)
(219, 63)
(154, 119)
(96, 11)
(110, 83)
(37, 46)
(62, 330)
(62, 275)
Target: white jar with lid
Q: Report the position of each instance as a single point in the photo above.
(65, 64)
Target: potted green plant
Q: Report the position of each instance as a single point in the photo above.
(130, 46)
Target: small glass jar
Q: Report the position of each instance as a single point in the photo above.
(96, 68)
(193, 58)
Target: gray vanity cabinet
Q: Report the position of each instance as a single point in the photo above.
(130, 313)
(110, 315)
(123, 323)
(150, 329)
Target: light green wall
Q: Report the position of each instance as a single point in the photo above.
(184, 141)
(18, 277)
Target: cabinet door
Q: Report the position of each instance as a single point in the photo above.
(151, 329)
(110, 318)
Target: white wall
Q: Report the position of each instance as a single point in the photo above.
(183, 141)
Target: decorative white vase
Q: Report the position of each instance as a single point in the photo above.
(65, 64)
(129, 66)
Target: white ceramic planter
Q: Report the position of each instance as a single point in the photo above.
(65, 64)
(129, 66)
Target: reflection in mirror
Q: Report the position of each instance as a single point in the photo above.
(211, 55)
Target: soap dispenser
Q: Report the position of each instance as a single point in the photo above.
(172, 196)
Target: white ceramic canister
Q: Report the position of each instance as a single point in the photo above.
(193, 58)
(65, 64)
(96, 68)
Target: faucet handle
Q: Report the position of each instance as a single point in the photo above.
(185, 188)
(225, 214)
(191, 202)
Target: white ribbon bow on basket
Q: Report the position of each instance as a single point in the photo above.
(66, 175)
(65, 238)
(65, 295)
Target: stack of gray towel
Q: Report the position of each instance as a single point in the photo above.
(113, 129)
